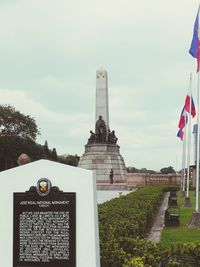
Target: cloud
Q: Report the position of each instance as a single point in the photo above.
(56, 127)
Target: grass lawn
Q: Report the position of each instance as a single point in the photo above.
(183, 234)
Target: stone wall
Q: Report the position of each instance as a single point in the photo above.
(141, 179)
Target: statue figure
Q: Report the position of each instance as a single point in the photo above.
(101, 134)
(100, 130)
(112, 138)
(111, 176)
(91, 139)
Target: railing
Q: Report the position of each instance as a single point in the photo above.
(138, 179)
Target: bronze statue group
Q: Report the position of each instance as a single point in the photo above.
(102, 135)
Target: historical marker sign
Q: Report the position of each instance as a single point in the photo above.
(44, 227)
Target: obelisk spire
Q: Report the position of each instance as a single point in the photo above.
(102, 108)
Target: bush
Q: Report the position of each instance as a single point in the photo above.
(123, 225)
(182, 254)
(122, 221)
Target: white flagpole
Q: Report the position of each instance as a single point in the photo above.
(189, 137)
(183, 164)
(184, 155)
(198, 133)
(197, 159)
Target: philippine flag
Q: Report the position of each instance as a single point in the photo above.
(183, 119)
(180, 134)
(195, 45)
(187, 106)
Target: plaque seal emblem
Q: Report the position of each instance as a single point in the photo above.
(43, 187)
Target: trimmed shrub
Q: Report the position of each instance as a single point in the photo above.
(129, 216)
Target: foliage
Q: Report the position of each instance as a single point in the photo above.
(54, 154)
(182, 254)
(122, 221)
(183, 234)
(135, 262)
(11, 147)
(15, 123)
(111, 253)
(174, 235)
(167, 170)
(169, 188)
(123, 224)
(140, 252)
(69, 159)
(18, 133)
(143, 170)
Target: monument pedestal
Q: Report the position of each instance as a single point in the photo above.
(103, 158)
(187, 203)
(182, 193)
(195, 222)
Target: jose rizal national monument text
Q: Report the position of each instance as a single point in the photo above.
(49, 216)
(102, 151)
(44, 226)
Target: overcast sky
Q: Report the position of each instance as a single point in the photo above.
(50, 51)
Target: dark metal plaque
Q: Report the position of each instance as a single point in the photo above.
(44, 227)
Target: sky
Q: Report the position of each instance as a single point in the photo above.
(50, 51)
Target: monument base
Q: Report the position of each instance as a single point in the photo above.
(187, 203)
(103, 158)
(195, 222)
(183, 193)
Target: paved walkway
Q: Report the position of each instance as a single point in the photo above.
(155, 233)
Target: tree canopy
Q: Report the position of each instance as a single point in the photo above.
(15, 123)
(18, 134)
(143, 170)
(167, 170)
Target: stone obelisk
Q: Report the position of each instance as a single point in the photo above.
(102, 108)
(101, 151)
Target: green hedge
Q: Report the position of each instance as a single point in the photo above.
(129, 216)
(183, 254)
(124, 223)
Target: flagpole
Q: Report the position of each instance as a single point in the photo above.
(198, 139)
(189, 137)
(183, 169)
(184, 157)
(195, 52)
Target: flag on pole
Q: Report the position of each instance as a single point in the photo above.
(187, 103)
(195, 45)
(183, 119)
(180, 134)
(182, 123)
(189, 108)
(193, 109)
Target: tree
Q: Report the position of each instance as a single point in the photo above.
(167, 170)
(17, 135)
(132, 170)
(46, 150)
(69, 160)
(15, 123)
(143, 170)
(54, 154)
